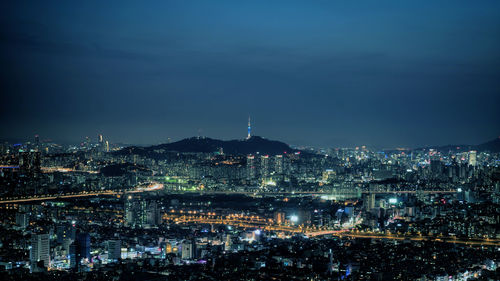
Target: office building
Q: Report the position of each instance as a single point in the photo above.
(80, 250)
(40, 250)
(188, 250)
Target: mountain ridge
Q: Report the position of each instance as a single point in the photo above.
(491, 146)
(252, 145)
(257, 144)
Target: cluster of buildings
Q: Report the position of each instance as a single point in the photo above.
(350, 214)
(223, 237)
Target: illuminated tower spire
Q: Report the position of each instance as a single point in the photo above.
(249, 129)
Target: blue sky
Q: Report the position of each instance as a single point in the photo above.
(308, 72)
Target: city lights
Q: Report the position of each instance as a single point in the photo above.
(262, 140)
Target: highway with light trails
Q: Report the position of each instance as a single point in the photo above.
(138, 190)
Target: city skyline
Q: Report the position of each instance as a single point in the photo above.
(323, 74)
(98, 137)
(250, 140)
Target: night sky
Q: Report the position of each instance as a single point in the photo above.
(384, 73)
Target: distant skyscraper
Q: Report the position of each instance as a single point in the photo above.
(40, 249)
(249, 129)
(278, 164)
(264, 166)
(251, 170)
(101, 143)
(473, 158)
(107, 147)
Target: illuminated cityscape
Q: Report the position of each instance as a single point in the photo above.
(200, 205)
(371, 151)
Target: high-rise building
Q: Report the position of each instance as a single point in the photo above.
(136, 212)
(251, 169)
(264, 166)
(100, 143)
(83, 241)
(40, 250)
(370, 201)
(129, 211)
(114, 249)
(79, 250)
(278, 164)
(229, 243)
(473, 158)
(153, 214)
(188, 250)
(22, 219)
(106, 148)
